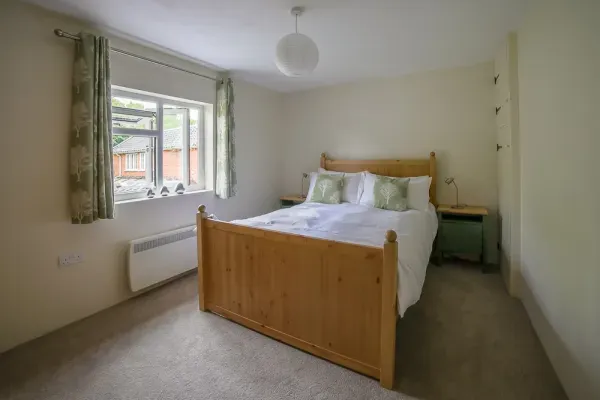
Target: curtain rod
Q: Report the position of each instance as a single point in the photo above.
(67, 35)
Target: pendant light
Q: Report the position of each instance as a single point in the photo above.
(296, 54)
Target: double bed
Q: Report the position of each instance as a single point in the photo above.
(328, 279)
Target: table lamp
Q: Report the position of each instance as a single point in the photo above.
(448, 182)
(304, 176)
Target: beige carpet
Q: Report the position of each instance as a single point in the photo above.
(465, 339)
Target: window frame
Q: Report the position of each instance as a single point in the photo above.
(141, 160)
(158, 135)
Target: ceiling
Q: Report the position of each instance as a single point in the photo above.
(357, 39)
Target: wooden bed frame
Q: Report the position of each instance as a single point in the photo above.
(335, 300)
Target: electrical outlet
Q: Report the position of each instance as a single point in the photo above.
(69, 259)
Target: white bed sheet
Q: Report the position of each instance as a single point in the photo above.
(355, 223)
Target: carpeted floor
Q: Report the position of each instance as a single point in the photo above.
(466, 339)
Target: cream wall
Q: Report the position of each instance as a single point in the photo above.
(36, 296)
(559, 62)
(447, 111)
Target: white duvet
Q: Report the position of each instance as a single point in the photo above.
(361, 224)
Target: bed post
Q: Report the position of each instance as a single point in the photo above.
(388, 310)
(323, 159)
(433, 175)
(200, 217)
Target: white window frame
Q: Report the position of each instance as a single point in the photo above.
(141, 160)
(158, 135)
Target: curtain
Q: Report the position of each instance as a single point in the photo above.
(226, 185)
(91, 171)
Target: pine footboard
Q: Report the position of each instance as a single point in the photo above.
(332, 299)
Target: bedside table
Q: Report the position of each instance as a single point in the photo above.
(291, 200)
(461, 231)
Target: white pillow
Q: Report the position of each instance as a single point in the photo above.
(417, 196)
(350, 191)
(418, 193)
(366, 189)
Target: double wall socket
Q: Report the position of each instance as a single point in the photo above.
(68, 259)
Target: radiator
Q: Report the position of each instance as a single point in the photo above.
(157, 258)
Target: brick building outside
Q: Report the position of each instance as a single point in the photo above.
(132, 160)
(129, 156)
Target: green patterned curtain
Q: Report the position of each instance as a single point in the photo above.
(91, 171)
(226, 185)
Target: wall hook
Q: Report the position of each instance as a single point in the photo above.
(498, 109)
(496, 79)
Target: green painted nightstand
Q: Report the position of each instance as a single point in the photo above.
(461, 231)
(291, 200)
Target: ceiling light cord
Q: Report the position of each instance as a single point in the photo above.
(296, 23)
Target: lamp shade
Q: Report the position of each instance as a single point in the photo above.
(296, 55)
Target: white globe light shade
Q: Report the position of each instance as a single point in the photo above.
(296, 55)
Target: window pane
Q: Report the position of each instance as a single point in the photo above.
(133, 113)
(133, 165)
(180, 134)
(173, 143)
(196, 147)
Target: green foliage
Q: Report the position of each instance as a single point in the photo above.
(117, 103)
(171, 121)
(174, 121)
(116, 139)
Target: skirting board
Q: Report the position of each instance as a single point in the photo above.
(569, 372)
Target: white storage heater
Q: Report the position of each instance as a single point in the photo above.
(157, 258)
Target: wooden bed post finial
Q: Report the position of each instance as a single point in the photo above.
(390, 236)
(433, 175)
(201, 208)
(323, 159)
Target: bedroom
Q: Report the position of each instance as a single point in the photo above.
(425, 92)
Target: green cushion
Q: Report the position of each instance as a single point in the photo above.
(390, 193)
(327, 189)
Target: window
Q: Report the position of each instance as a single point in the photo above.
(135, 162)
(159, 141)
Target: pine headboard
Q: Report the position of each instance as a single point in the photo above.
(396, 168)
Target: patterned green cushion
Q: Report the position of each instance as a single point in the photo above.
(327, 189)
(390, 193)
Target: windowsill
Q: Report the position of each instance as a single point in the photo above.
(158, 196)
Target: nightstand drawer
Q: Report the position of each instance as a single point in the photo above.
(461, 237)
